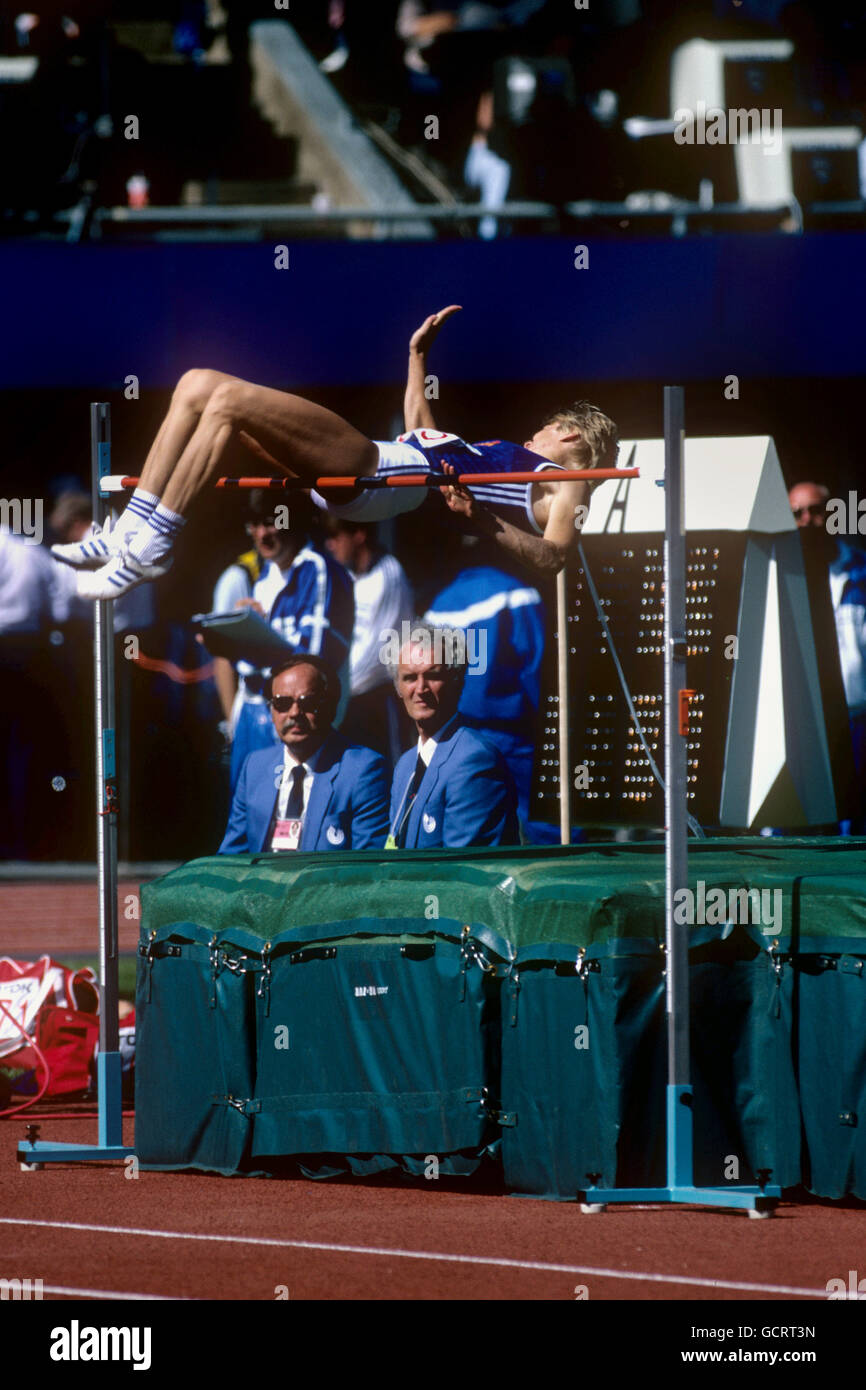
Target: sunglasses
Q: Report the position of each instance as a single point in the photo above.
(814, 509)
(307, 704)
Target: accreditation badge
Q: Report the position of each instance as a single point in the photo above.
(287, 834)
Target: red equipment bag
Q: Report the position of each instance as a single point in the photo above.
(48, 1024)
(67, 1039)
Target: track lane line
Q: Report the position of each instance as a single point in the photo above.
(116, 1296)
(500, 1262)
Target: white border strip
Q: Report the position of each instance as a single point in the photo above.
(501, 1263)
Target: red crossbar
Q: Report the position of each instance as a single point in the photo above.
(551, 475)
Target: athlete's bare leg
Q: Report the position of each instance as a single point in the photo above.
(210, 408)
(189, 398)
(208, 411)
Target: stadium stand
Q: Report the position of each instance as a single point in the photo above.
(346, 119)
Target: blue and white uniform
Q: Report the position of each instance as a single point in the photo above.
(504, 621)
(425, 451)
(312, 606)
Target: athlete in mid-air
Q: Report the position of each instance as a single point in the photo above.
(535, 523)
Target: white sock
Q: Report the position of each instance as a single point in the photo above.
(138, 510)
(155, 537)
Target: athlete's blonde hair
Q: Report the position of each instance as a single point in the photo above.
(600, 442)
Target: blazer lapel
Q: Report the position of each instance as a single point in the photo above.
(324, 777)
(402, 777)
(265, 796)
(429, 783)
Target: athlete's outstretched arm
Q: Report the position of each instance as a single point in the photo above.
(544, 556)
(417, 412)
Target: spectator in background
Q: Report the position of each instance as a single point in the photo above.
(167, 709)
(33, 598)
(234, 589)
(453, 789)
(504, 620)
(71, 521)
(847, 575)
(305, 596)
(323, 793)
(847, 565)
(33, 589)
(78, 97)
(383, 601)
(364, 48)
(531, 111)
(450, 51)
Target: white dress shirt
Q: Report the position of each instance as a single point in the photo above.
(383, 600)
(426, 749)
(289, 763)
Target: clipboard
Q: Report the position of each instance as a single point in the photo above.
(242, 635)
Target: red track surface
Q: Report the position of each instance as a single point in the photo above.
(426, 1241)
(467, 1246)
(51, 918)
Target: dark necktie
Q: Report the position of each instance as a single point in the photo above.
(295, 804)
(411, 793)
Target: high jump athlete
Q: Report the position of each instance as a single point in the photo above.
(535, 523)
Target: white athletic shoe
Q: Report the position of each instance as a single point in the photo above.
(121, 574)
(91, 554)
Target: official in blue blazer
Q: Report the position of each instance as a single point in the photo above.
(453, 789)
(322, 793)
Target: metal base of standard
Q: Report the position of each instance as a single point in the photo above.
(758, 1201)
(680, 1188)
(32, 1157)
(34, 1153)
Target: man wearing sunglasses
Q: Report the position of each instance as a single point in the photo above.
(831, 558)
(322, 793)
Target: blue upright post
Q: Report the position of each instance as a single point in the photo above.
(680, 1146)
(108, 1063)
(758, 1201)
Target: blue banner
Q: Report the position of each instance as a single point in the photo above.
(342, 312)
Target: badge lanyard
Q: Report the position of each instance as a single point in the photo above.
(397, 823)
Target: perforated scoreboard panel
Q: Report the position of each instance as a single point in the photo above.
(611, 779)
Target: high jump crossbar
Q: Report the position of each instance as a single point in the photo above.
(114, 482)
